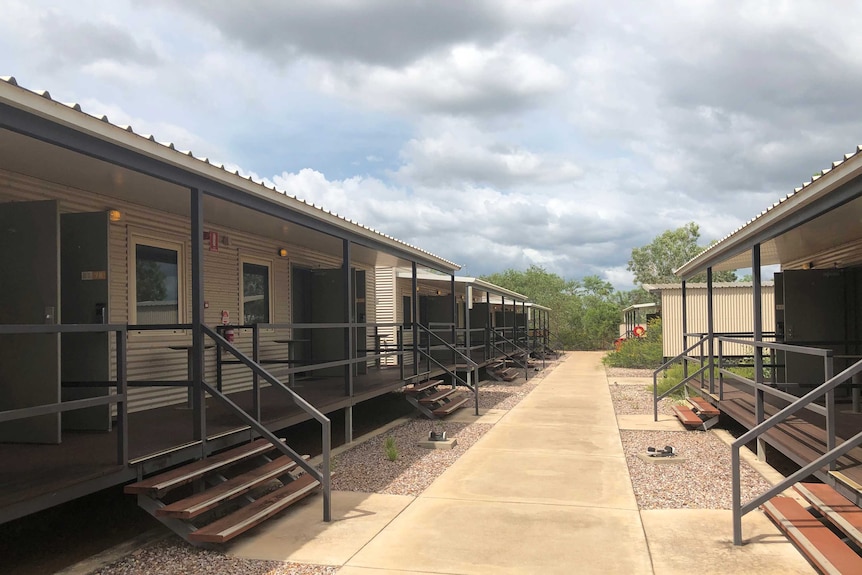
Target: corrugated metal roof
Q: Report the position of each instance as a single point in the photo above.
(715, 285)
(273, 192)
(798, 196)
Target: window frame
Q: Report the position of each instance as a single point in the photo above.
(178, 246)
(270, 285)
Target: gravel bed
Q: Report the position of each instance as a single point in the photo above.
(364, 468)
(628, 372)
(174, 556)
(703, 481)
(637, 400)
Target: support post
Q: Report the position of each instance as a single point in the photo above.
(684, 329)
(710, 322)
(757, 311)
(197, 367)
(348, 315)
(414, 302)
(454, 322)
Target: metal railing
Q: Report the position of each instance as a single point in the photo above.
(322, 476)
(120, 398)
(496, 336)
(826, 460)
(472, 365)
(684, 357)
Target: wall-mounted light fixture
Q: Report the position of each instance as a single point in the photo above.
(115, 215)
(282, 252)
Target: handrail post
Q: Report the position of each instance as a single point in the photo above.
(399, 342)
(720, 366)
(655, 396)
(736, 495)
(829, 368)
(255, 378)
(327, 461)
(123, 406)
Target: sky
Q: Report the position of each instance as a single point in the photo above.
(498, 134)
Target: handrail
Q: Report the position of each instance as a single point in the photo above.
(683, 355)
(120, 381)
(826, 459)
(472, 364)
(517, 348)
(324, 476)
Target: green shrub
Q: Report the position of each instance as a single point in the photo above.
(639, 352)
(669, 378)
(390, 449)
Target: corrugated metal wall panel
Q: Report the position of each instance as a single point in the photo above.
(149, 356)
(385, 305)
(732, 307)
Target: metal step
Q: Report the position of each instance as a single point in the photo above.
(814, 539)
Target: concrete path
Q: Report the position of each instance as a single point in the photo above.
(546, 490)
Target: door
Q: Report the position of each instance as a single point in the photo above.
(360, 316)
(327, 306)
(814, 315)
(84, 300)
(30, 285)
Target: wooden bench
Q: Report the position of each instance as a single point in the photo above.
(687, 416)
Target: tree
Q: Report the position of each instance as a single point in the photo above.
(654, 263)
(584, 314)
(149, 281)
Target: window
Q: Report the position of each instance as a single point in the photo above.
(255, 293)
(157, 285)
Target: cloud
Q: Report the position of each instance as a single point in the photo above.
(466, 80)
(87, 42)
(465, 156)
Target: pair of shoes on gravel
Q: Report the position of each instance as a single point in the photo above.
(668, 451)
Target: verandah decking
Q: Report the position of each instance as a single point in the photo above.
(89, 459)
(802, 437)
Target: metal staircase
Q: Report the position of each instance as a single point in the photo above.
(216, 498)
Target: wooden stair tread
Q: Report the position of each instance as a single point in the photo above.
(686, 416)
(842, 513)
(205, 500)
(247, 517)
(455, 404)
(434, 398)
(159, 484)
(423, 385)
(704, 407)
(822, 547)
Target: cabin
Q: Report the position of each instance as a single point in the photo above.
(732, 309)
(469, 328)
(163, 318)
(799, 388)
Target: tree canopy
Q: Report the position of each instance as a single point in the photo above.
(584, 314)
(654, 263)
